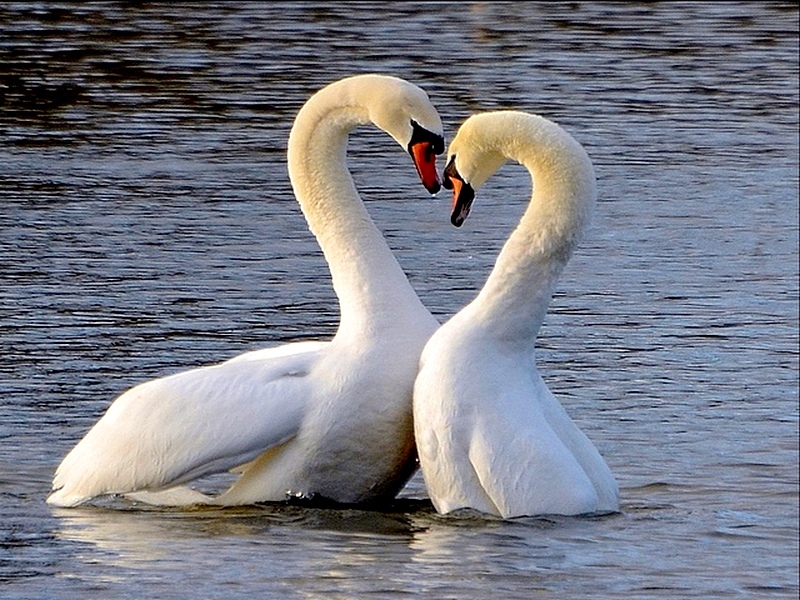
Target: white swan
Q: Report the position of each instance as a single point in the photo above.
(311, 419)
(490, 435)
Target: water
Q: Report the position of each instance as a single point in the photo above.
(148, 226)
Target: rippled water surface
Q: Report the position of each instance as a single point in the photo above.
(148, 226)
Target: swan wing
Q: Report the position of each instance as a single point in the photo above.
(582, 449)
(199, 422)
(524, 468)
(485, 441)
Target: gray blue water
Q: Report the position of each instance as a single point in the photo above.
(147, 226)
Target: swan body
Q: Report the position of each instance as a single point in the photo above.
(311, 419)
(490, 434)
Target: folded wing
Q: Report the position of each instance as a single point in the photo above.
(175, 429)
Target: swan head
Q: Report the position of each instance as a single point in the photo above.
(465, 173)
(474, 155)
(398, 107)
(405, 112)
(486, 141)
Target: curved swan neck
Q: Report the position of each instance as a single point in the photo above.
(366, 277)
(521, 285)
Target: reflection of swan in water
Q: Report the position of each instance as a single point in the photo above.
(125, 536)
(282, 545)
(328, 419)
(512, 559)
(490, 434)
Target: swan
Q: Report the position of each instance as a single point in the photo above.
(327, 420)
(490, 435)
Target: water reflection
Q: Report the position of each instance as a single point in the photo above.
(327, 549)
(323, 550)
(139, 532)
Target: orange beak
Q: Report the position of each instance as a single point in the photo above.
(424, 158)
(463, 194)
